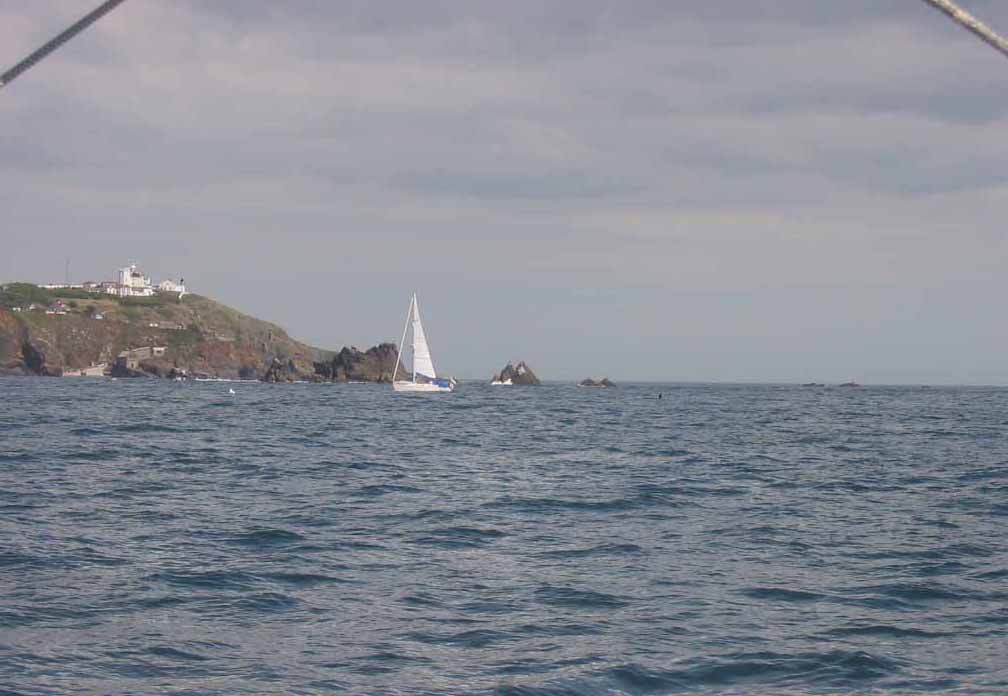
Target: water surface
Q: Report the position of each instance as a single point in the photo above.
(304, 539)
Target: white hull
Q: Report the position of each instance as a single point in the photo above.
(420, 387)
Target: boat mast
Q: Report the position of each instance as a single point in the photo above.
(416, 315)
(402, 341)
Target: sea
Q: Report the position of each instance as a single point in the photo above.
(161, 537)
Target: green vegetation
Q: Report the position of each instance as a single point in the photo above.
(23, 294)
(72, 293)
(201, 335)
(190, 335)
(153, 301)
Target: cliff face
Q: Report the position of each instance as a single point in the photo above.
(201, 337)
(12, 342)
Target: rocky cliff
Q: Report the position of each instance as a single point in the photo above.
(351, 365)
(518, 374)
(200, 337)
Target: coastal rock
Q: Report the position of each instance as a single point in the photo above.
(193, 335)
(34, 359)
(120, 370)
(520, 374)
(281, 371)
(589, 382)
(157, 368)
(12, 338)
(376, 364)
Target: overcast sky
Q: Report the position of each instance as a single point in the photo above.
(756, 190)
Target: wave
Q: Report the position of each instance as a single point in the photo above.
(752, 671)
(266, 537)
(306, 579)
(165, 651)
(780, 594)
(885, 631)
(155, 428)
(457, 537)
(570, 597)
(587, 552)
(211, 579)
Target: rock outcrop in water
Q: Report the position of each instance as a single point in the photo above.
(520, 374)
(589, 382)
(376, 364)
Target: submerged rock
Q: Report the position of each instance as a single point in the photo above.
(518, 374)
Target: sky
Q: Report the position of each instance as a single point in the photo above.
(732, 190)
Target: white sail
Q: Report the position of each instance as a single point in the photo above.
(422, 363)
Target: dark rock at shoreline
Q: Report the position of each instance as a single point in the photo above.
(519, 374)
(120, 370)
(589, 382)
(281, 371)
(157, 368)
(376, 364)
(34, 359)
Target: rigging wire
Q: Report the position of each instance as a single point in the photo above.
(971, 23)
(57, 41)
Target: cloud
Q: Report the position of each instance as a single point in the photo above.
(724, 147)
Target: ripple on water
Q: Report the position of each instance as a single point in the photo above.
(834, 668)
(458, 537)
(266, 537)
(316, 539)
(565, 596)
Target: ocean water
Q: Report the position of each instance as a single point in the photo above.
(171, 538)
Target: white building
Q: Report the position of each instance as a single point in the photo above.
(130, 282)
(172, 286)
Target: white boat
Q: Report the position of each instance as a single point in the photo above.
(501, 383)
(424, 377)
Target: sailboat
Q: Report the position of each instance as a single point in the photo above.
(424, 378)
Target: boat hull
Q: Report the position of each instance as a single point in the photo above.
(421, 387)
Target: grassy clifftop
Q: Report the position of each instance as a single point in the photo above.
(201, 336)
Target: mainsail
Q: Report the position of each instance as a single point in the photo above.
(422, 363)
